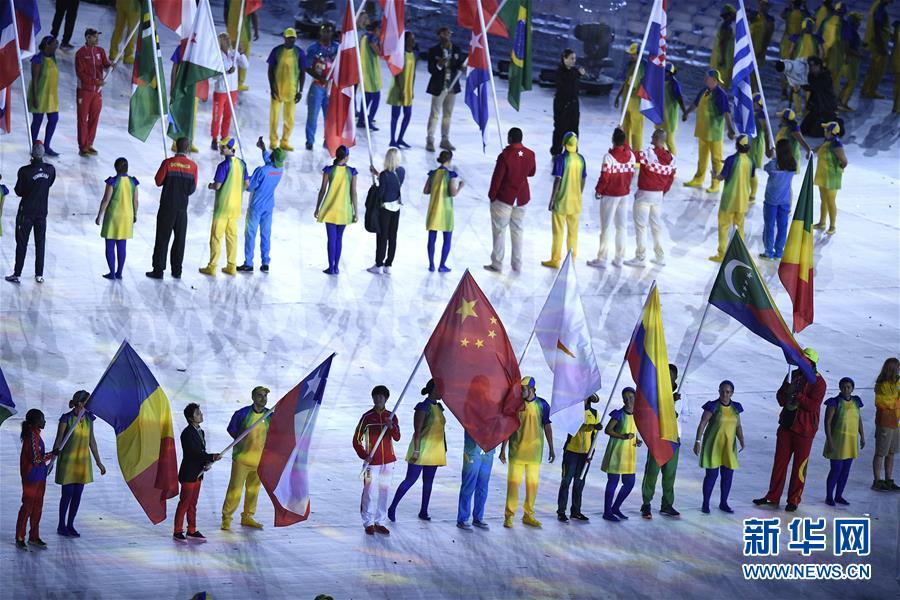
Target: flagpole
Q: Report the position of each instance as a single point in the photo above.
(637, 63)
(684, 374)
(163, 115)
(12, 7)
(362, 85)
(593, 447)
(486, 28)
(234, 119)
(552, 285)
(247, 431)
(762, 94)
(487, 52)
(122, 55)
(240, 24)
(393, 412)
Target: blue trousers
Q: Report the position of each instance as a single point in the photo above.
(476, 474)
(837, 478)
(69, 501)
(261, 218)
(412, 475)
(316, 100)
(775, 218)
(372, 101)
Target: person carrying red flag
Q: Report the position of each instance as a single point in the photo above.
(381, 459)
(90, 66)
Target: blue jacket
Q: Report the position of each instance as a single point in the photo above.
(263, 183)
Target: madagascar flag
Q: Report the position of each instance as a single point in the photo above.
(474, 366)
(796, 268)
(739, 291)
(129, 398)
(654, 406)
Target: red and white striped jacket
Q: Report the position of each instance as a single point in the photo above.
(616, 172)
(657, 170)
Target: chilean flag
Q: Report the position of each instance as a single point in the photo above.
(28, 21)
(284, 465)
(477, 79)
(652, 91)
(340, 125)
(393, 34)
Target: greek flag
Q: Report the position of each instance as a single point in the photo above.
(740, 77)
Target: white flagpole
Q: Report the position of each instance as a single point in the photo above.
(234, 119)
(637, 63)
(122, 54)
(486, 27)
(487, 52)
(552, 285)
(362, 86)
(240, 24)
(163, 115)
(756, 73)
(12, 7)
(247, 431)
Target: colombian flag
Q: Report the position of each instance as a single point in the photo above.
(796, 268)
(654, 406)
(131, 401)
(739, 291)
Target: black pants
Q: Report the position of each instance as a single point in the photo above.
(572, 465)
(168, 220)
(387, 238)
(564, 121)
(24, 225)
(69, 10)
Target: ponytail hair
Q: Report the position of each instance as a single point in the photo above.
(32, 418)
(341, 153)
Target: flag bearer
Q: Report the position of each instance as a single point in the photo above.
(652, 470)
(575, 455)
(195, 460)
(245, 459)
(381, 459)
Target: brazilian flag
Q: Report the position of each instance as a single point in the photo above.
(516, 15)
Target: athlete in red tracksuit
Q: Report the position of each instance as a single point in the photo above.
(378, 472)
(797, 426)
(613, 187)
(654, 181)
(90, 64)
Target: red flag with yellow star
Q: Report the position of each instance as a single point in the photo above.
(474, 366)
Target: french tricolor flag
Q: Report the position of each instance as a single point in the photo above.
(29, 24)
(284, 465)
(652, 91)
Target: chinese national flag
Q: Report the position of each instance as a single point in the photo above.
(474, 366)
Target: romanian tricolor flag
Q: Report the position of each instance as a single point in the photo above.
(129, 398)
(7, 406)
(796, 268)
(284, 465)
(654, 406)
(739, 291)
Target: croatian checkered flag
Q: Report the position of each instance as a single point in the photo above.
(652, 89)
(740, 77)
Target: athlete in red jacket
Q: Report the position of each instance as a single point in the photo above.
(381, 460)
(90, 67)
(797, 426)
(612, 189)
(654, 181)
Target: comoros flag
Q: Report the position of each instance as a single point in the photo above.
(284, 465)
(477, 80)
(652, 87)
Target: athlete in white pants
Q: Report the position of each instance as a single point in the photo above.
(372, 506)
(613, 189)
(654, 180)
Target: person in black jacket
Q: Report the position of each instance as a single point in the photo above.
(389, 183)
(821, 104)
(194, 461)
(445, 60)
(33, 187)
(566, 110)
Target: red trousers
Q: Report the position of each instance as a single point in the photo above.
(187, 503)
(32, 506)
(221, 114)
(89, 105)
(789, 443)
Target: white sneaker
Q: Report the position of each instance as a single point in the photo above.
(39, 278)
(374, 269)
(491, 268)
(617, 262)
(386, 270)
(599, 263)
(634, 262)
(659, 260)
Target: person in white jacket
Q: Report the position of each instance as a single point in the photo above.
(655, 178)
(221, 114)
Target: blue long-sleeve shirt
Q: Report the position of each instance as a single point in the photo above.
(778, 186)
(263, 183)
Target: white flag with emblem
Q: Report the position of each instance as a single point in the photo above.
(562, 331)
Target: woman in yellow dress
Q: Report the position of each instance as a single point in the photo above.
(400, 96)
(829, 171)
(442, 186)
(844, 438)
(43, 92)
(620, 457)
(336, 205)
(118, 213)
(73, 467)
(427, 450)
(719, 428)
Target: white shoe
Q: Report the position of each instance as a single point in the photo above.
(39, 278)
(386, 270)
(617, 262)
(374, 270)
(634, 262)
(599, 263)
(659, 260)
(491, 268)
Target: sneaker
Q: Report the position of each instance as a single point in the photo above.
(646, 512)
(552, 264)
(766, 256)
(819, 226)
(92, 151)
(693, 183)
(179, 537)
(39, 278)
(226, 524)
(20, 545)
(382, 529)
(562, 518)
(154, 274)
(84, 154)
(634, 262)
(250, 522)
(669, 511)
(463, 525)
(245, 268)
(492, 268)
(481, 525)
(194, 149)
(386, 270)
(765, 502)
(197, 536)
(597, 263)
(717, 258)
(38, 543)
(446, 145)
(790, 507)
(508, 522)
(211, 271)
(12, 278)
(610, 517)
(890, 485)
(374, 270)
(714, 188)
(830, 231)
(659, 261)
(215, 144)
(617, 262)
(424, 516)
(370, 530)
(579, 517)
(264, 268)
(287, 147)
(530, 521)
(229, 270)
(429, 145)
(243, 87)
(176, 275)
(308, 146)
